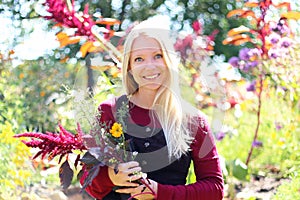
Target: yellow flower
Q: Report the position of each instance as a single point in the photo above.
(273, 135)
(116, 130)
(7, 134)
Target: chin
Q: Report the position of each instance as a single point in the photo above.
(152, 86)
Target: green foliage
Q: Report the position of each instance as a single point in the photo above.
(238, 169)
(213, 14)
(279, 139)
(191, 178)
(289, 191)
(30, 99)
(31, 94)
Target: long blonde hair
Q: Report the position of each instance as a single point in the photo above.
(168, 103)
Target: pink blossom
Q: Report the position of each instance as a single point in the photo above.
(69, 18)
(197, 26)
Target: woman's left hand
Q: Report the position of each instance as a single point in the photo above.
(141, 192)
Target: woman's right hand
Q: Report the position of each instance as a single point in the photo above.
(127, 173)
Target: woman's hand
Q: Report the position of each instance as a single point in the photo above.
(126, 174)
(142, 192)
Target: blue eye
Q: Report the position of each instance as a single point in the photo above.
(158, 56)
(138, 59)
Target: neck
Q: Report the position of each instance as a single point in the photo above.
(144, 98)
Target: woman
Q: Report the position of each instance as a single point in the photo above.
(166, 131)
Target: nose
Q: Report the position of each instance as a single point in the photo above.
(151, 63)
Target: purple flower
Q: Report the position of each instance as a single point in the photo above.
(278, 126)
(281, 28)
(251, 87)
(274, 38)
(253, 64)
(244, 54)
(273, 53)
(257, 143)
(249, 65)
(284, 88)
(284, 30)
(220, 136)
(286, 42)
(234, 61)
(246, 67)
(254, 52)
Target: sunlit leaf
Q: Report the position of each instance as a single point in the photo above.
(248, 13)
(58, 25)
(108, 21)
(94, 48)
(64, 59)
(241, 41)
(237, 39)
(69, 40)
(237, 12)
(84, 49)
(265, 4)
(291, 15)
(251, 4)
(61, 36)
(284, 4)
(241, 29)
(65, 175)
(101, 68)
(115, 72)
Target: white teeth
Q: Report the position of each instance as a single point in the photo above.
(151, 77)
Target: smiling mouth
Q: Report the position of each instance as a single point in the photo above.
(151, 77)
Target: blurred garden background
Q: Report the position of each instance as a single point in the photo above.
(51, 47)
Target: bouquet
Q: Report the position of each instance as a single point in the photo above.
(104, 144)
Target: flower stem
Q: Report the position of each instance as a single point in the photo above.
(258, 118)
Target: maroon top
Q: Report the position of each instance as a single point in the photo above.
(171, 177)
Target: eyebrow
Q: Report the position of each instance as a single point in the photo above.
(137, 54)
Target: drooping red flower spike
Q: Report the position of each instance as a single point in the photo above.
(54, 144)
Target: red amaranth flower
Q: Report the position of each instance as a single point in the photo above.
(197, 27)
(54, 144)
(66, 16)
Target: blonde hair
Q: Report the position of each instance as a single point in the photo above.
(168, 102)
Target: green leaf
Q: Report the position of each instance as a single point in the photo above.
(238, 169)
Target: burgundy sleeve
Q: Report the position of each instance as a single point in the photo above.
(101, 185)
(209, 179)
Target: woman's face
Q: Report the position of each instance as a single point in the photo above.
(147, 64)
